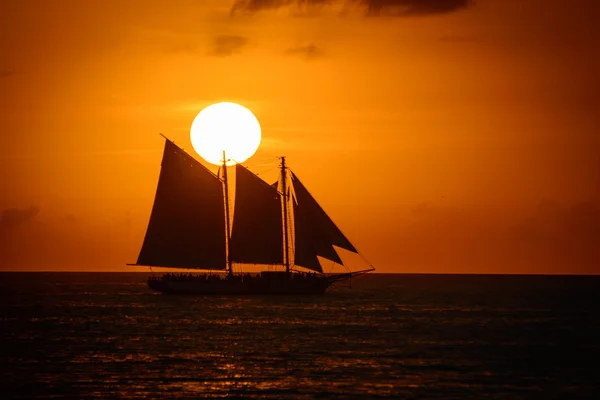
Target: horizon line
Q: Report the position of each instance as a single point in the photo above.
(370, 273)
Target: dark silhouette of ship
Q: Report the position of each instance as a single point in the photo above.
(190, 228)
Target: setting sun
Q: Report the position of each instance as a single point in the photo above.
(227, 127)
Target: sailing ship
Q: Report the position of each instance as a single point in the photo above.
(190, 228)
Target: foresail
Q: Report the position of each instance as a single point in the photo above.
(187, 226)
(257, 232)
(316, 234)
(320, 219)
(305, 253)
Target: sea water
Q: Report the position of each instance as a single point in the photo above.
(106, 335)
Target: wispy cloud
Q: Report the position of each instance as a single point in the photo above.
(227, 45)
(13, 217)
(414, 7)
(7, 73)
(370, 7)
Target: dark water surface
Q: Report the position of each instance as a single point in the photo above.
(105, 335)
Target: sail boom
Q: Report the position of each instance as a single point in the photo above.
(176, 267)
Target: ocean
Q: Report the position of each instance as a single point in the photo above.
(106, 335)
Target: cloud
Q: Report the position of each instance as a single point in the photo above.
(310, 52)
(225, 45)
(6, 73)
(414, 7)
(13, 217)
(370, 7)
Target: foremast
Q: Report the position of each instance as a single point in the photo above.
(227, 220)
(286, 245)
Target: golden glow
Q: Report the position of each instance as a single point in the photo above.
(227, 127)
(479, 132)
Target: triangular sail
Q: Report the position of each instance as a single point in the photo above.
(315, 232)
(187, 226)
(322, 225)
(305, 253)
(257, 232)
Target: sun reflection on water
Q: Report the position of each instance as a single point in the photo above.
(108, 339)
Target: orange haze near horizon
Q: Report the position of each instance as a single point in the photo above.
(446, 136)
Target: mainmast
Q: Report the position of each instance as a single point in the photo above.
(227, 229)
(286, 252)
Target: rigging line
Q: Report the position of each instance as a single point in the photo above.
(247, 165)
(332, 265)
(266, 167)
(254, 174)
(189, 156)
(264, 171)
(261, 158)
(259, 166)
(263, 165)
(365, 259)
(264, 160)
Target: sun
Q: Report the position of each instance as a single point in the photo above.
(227, 127)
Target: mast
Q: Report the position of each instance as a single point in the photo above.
(228, 230)
(286, 252)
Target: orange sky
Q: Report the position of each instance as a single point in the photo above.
(441, 135)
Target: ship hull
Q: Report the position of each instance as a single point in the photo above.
(239, 288)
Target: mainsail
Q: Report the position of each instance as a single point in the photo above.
(257, 232)
(315, 232)
(187, 227)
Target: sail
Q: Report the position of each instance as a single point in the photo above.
(324, 231)
(187, 226)
(305, 253)
(315, 232)
(257, 232)
(310, 241)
